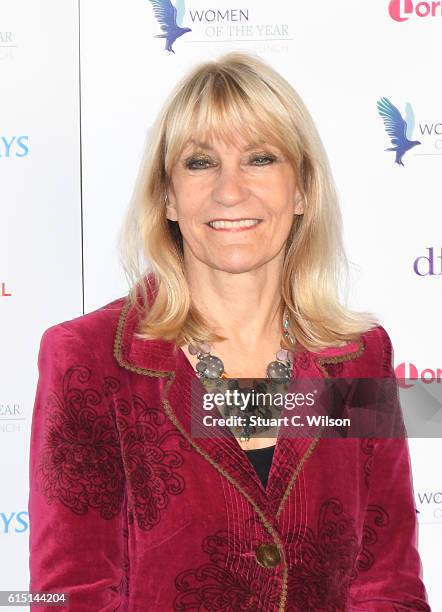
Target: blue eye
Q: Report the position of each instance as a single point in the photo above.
(190, 164)
(268, 158)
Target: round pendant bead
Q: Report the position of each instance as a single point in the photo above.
(278, 371)
(212, 366)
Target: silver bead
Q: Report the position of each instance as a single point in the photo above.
(278, 371)
(210, 366)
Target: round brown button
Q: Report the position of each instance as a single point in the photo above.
(267, 555)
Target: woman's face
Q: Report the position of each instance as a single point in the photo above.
(213, 183)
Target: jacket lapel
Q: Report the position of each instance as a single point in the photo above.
(179, 383)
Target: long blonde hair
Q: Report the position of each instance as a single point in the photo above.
(238, 95)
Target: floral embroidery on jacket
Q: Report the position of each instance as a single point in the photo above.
(324, 564)
(376, 517)
(81, 461)
(151, 465)
(216, 586)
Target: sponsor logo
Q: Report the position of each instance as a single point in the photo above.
(406, 373)
(7, 45)
(427, 265)
(4, 291)
(11, 418)
(402, 10)
(6, 39)
(10, 411)
(402, 129)
(430, 504)
(399, 130)
(14, 146)
(170, 19)
(13, 522)
(215, 25)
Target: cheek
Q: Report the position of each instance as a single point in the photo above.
(283, 213)
(191, 229)
(186, 210)
(279, 194)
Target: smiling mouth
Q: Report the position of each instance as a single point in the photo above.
(240, 224)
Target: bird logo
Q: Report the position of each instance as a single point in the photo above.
(399, 130)
(170, 18)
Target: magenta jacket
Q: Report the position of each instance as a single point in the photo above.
(130, 513)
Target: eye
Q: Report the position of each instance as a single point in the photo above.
(197, 163)
(265, 157)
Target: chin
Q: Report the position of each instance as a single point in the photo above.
(236, 267)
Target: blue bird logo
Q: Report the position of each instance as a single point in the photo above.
(399, 130)
(170, 18)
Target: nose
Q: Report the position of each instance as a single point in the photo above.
(230, 188)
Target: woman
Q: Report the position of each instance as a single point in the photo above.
(235, 211)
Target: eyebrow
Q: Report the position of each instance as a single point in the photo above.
(206, 145)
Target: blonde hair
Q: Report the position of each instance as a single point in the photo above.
(238, 95)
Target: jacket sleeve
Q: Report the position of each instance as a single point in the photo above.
(389, 569)
(77, 494)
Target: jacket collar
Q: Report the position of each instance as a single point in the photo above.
(154, 357)
(159, 357)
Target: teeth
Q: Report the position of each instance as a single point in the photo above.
(226, 224)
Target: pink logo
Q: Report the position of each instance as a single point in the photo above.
(401, 10)
(3, 291)
(397, 8)
(408, 371)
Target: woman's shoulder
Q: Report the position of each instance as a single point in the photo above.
(377, 337)
(374, 339)
(371, 353)
(94, 329)
(378, 340)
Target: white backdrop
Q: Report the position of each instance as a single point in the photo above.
(82, 84)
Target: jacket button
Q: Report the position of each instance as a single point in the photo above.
(267, 555)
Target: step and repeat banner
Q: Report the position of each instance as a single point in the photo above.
(82, 82)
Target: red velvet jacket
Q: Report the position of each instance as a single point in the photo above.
(129, 512)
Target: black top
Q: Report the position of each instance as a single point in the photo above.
(261, 459)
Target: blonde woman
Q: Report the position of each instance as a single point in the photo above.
(233, 247)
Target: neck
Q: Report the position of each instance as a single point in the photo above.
(243, 307)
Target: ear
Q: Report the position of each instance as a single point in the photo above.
(299, 204)
(170, 202)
